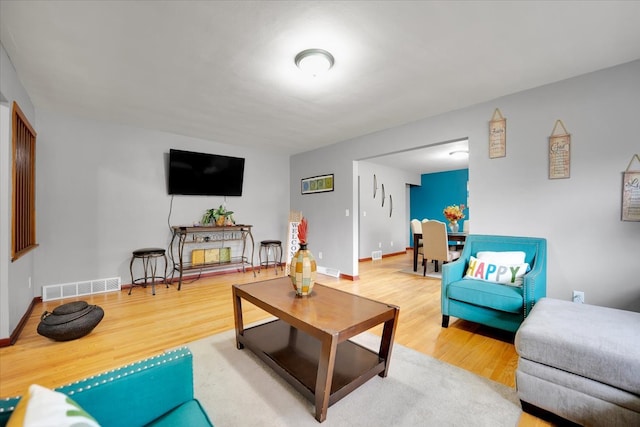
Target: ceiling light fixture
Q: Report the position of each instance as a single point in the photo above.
(314, 61)
(459, 153)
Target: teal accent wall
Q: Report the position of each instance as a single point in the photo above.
(438, 190)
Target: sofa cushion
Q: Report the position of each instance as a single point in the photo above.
(189, 414)
(41, 406)
(496, 272)
(595, 342)
(487, 294)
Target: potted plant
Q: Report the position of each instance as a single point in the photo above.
(217, 215)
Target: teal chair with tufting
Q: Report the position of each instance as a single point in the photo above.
(489, 292)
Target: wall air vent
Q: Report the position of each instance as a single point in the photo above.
(68, 290)
(333, 272)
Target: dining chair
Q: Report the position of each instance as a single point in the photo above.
(416, 228)
(435, 245)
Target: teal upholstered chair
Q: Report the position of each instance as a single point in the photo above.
(492, 304)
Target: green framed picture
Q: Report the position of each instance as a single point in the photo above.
(317, 184)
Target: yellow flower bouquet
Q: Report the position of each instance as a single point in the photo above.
(453, 212)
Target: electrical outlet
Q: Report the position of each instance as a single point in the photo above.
(319, 255)
(578, 296)
(379, 244)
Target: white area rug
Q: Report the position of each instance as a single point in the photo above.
(238, 389)
(430, 271)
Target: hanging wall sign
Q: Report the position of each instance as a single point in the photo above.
(559, 152)
(631, 192)
(497, 135)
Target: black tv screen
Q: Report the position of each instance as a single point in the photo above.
(201, 174)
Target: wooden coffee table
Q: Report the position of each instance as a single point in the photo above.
(308, 344)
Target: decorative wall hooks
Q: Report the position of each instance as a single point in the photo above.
(631, 192)
(497, 135)
(559, 152)
(375, 185)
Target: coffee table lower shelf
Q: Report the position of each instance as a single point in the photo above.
(294, 355)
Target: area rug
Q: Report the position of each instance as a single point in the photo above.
(430, 271)
(238, 389)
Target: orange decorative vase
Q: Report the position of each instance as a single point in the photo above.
(303, 271)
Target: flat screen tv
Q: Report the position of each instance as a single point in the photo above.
(201, 174)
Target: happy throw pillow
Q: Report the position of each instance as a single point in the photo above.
(489, 271)
(42, 407)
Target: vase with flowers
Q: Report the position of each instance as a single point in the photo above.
(303, 264)
(453, 214)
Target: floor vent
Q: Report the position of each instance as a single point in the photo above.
(68, 290)
(376, 255)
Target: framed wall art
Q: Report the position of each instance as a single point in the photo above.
(497, 135)
(317, 184)
(559, 152)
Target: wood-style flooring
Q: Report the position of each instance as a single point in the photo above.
(140, 325)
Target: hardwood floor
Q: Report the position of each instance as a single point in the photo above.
(140, 325)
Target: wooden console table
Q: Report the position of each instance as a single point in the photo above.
(309, 344)
(203, 237)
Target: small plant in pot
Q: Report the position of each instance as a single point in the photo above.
(218, 216)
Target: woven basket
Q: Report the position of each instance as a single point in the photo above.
(70, 321)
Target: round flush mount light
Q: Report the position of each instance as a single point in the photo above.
(314, 61)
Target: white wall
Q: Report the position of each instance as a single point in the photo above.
(380, 229)
(590, 249)
(102, 193)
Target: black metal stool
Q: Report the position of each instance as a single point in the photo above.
(267, 246)
(149, 257)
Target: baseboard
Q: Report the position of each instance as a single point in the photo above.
(6, 342)
(383, 256)
(348, 277)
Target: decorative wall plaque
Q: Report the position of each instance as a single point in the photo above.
(631, 192)
(559, 152)
(497, 135)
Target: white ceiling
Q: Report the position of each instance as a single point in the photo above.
(224, 71)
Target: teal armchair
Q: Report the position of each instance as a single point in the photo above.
(492, 304)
